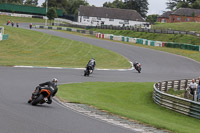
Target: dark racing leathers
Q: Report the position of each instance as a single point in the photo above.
(51, 86)
(91, 63)
(135, 64)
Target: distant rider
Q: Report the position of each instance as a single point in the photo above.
(30, 25)
(92, 63)
(135, 64)
(50, 85)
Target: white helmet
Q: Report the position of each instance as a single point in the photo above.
(54, 80)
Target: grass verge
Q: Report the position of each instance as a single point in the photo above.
(4, 19)
(31, 48)
(184, 26)
(179, 93)
(188, 39)
(195, 55)
(131, 100)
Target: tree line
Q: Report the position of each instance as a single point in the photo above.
(141, 6)
(68, 6)
(176, 4)
(21, 2)
(71, 6)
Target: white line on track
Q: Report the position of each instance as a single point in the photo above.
(132, 68)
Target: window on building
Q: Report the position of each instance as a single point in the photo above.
(111, 19)
(163, 21)
(187, 19)
(98, 18)
(178, 19)
(126, 20)
(85, 17)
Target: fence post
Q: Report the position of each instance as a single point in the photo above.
(160, 86)
(173, 84)
(186, 82)
(166, 86)
(179, 85)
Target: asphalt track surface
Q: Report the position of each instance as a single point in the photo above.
(17, 84)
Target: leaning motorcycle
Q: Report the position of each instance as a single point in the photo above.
(88, 71)
(41, 98)
(138, 67)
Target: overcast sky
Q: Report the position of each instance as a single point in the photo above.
(155, 6)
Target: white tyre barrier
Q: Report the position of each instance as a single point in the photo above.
(64, 28)
(54, 28)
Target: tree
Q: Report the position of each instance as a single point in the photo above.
(175, 4)
(196, 4)
(114, 4)
(141, 6)
(152, 18)
(51, 14)
(74, 6)
(68, 6)
(31, 2)
(12, 1)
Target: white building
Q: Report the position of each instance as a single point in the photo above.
(96, 16)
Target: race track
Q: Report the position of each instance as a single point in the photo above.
(17, 84)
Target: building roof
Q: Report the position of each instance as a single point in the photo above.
(165, 14)
(112, 13)
(186, 12)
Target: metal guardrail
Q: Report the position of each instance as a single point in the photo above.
(67, 29)
(178, 104)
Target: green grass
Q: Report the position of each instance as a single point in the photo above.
(131, 100)
(27, 47)
(186, 26)
(179, 93)
(4, 19)
(188, 39)
(195, 55)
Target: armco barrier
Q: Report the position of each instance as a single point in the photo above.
(67, 29)
(178, 104)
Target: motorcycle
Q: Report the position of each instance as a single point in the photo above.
(138, 67)
(88, 71)
(41, 98)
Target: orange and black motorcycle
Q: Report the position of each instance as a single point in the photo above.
(41, 97)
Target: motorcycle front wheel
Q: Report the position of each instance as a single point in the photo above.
(37, 100)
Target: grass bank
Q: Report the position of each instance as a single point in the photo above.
(131, 100)
(188, 39)
(184, 26)
(27, 47)
(4, 19)
(195, 55)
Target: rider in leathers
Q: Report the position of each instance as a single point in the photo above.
(92, 63)
(50, 85)
(135, 64)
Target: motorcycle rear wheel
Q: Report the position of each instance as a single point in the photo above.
(37, 100)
